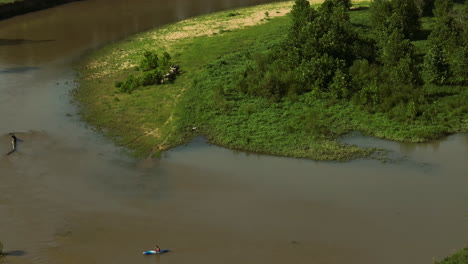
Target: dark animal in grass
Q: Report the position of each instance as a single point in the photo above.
(171, 74)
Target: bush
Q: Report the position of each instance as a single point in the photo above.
(424, 7)
(150, 61)
(151, 77)
(448, 55)
(436, 68)
(130, 84)
(231, 14)
(390, 15)
(363, 73)
(153, 72)
(345, 3)
(165, 61)
(459, 65)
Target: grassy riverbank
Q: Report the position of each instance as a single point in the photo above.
(460, 257)
(213, 51)
(2, 2)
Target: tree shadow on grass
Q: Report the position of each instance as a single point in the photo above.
(358, 8)
(422, 34)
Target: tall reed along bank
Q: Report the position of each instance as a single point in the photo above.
(287, 78)
(10, 8)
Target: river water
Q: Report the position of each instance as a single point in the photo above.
(69, 195)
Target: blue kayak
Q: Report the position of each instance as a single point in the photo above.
(152, 252)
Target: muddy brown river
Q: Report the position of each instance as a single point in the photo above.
(68, 195)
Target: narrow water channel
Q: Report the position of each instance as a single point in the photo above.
(70, 196)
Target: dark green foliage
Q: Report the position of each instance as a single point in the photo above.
(130, 84)
(346, 3)
(447, 58)
(397, 56)
(320, 45)
(231, 14)
(150, 61)
(153, 72)
(302, 16)
(151, 77)
(459, 65)
(325, 59)
(165, 61)
(442, 8)
(339, 87)
(394, 47)
(388, 16)
(364, 79)
(424, 7)
(436, 68)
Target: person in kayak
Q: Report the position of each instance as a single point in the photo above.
(157, 249)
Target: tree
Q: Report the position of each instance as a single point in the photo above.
(406, 17)
(328, 46)
(447, 59)
(436, 68)
(302, 16)
(424, 7)
(345, 3)
(390, 15)
(398, 57)
(442, 8)
(319, 49)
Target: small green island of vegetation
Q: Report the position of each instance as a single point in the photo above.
(289, 85)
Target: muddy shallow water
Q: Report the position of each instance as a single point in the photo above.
(70, 196)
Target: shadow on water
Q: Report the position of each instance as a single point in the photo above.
(18, 69)
(359, 8)
(7, 42)
(16, 253)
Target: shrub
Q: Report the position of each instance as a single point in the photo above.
(390, 15)
(153, 72)
(231, 14)
(424, 7)
(436, 68)
(151, 77)
(150, 61)
(165, 61)
(130, 84)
